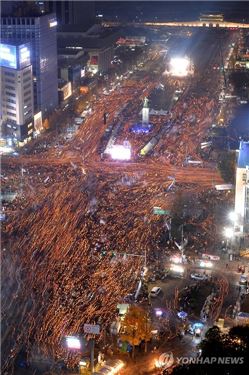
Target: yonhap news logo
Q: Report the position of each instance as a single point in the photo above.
(167, 360)
(210, 360)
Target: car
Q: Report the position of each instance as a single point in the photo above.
(199, 276)
(111, 367)
(210, 257)
(155, 291)
(78, 120)
(206, 264)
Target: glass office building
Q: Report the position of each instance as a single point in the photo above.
(40, 31)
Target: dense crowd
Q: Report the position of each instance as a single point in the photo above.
(63, 261)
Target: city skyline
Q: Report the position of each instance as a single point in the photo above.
(124, 214)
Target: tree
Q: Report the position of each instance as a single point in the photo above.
(46, 124)
(136, 327)
(234, 345)
(226, 165)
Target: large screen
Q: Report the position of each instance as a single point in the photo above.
(8, 56)
(24, 56)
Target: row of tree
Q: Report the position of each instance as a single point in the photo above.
(233, 347)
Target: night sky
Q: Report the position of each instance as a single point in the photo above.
(170, 10)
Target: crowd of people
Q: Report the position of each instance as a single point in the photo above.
(64, 244)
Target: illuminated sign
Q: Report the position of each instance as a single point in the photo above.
(73, 342)
(8, 56)
(52, 23)
(24, 56)
(67, 90)
(38, 122)
(15, 57)
(94, 60)
(83, 72)
(120, 152)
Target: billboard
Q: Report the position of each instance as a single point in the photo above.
(8, 56)
(120, 152)
(23, 55)
(67, 90)
(93, 329)
(38, 122)
(15, 57)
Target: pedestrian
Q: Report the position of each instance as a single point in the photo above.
(226, 265)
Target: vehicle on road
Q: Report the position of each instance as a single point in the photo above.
(78, 120)
(199, 276)
(206, 264)
(111, 367)
(210, 257)
(155, 291)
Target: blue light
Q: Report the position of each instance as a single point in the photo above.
(182, 315)
(8, 56)
(141, 128)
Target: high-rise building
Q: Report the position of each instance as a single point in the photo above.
(16, 103)
(242, 189)
(40, 31)
(77, 13)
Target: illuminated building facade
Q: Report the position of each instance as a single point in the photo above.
(16, 103)
(242, 189)
(100, 59)
(211, 18)
(40, 31)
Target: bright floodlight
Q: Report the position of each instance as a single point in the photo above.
(176, 268)
(158, 312)
(73, 342)
(206, 264)
(120, 152)
(228, 232)
(179, 66)
(233, 216)
(176, 259)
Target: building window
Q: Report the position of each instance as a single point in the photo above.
(26, 72)
(11, 107)
(9, 81)
(32, 21)
(23, 21)
(7, 87)
(11, 101)
(26, 80)
(9, 74)
(10, 93)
